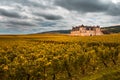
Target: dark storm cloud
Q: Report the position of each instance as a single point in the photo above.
(84, 5)
(114, 10)
(9, 13)
(52, 17)
(49, 16)
(21, 23)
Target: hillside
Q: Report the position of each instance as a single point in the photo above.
(110, 29)
(58, 31)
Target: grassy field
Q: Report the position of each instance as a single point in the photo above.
(59, 57)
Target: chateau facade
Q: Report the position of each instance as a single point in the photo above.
(86, 30)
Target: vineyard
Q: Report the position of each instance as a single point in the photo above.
(59, 57)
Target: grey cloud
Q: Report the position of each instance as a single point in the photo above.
(35, 4)
(38, 19)
(114, 10)
(21, 23)
(84, 5)
(49, 16)
(9, 2)
(115, 20)
(30, 3)
(52, 17)
(48, 24)
(9, 13)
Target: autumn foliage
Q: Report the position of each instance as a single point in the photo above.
(56, 57)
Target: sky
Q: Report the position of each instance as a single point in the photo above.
(34, 16)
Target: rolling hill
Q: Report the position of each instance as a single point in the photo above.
(58, 32)
(106, 30)
(112, 29)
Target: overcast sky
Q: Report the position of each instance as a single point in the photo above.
(32, 16)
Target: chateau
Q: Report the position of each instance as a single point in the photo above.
(86, 30)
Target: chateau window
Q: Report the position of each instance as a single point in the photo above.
(87, 28)
(91, 28)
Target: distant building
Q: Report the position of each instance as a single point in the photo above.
(86, 30)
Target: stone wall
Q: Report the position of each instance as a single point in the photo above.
(86, 31)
